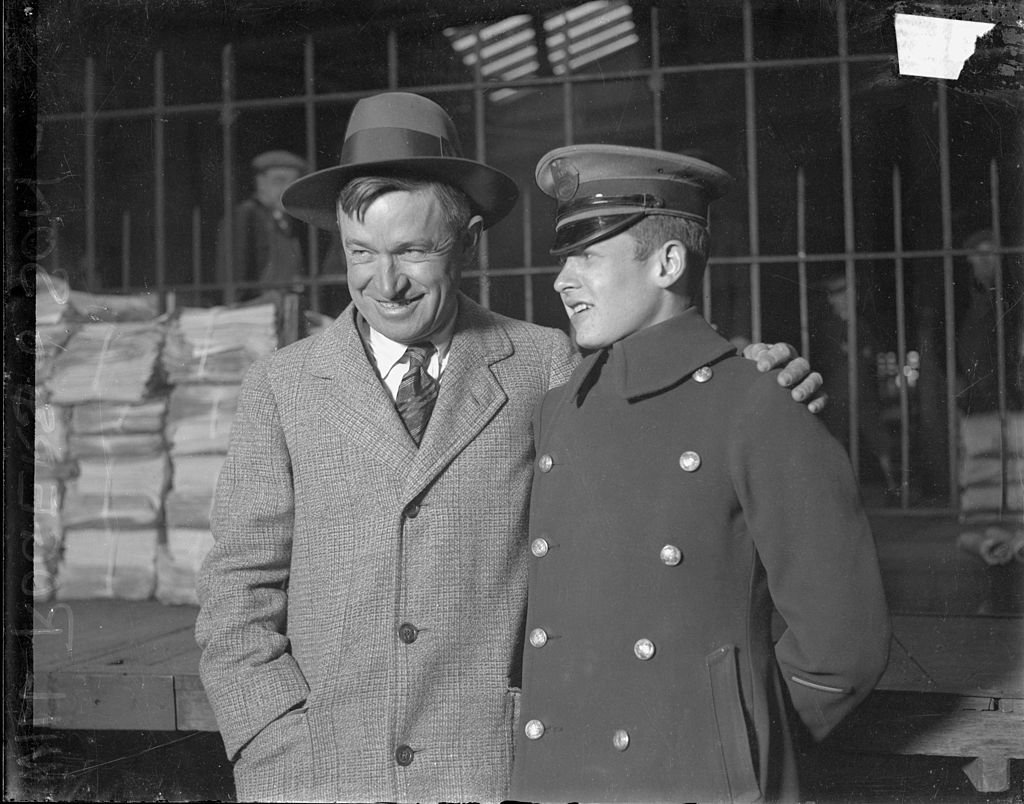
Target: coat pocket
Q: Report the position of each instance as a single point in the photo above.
(277, 764)
(733, 737)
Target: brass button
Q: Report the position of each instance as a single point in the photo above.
(404, 755)
(703, 374)
(689, 461)
(620, 739)
(534, 730)
(407, 632)
(540, 547)
(671, 555)
(644, 649)
(538, 637)
(545, 463)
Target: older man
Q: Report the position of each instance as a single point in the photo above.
(362, 609)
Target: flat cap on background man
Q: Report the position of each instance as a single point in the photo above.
(279, 159)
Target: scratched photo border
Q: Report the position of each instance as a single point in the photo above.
(31, 223)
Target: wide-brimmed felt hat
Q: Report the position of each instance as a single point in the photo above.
(406, 135)
(602, 190)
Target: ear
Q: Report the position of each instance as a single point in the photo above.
(473, 232)
(670, 264)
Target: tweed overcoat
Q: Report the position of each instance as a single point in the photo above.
(678, 494)
(362, 607)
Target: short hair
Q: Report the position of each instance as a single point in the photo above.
(654, 230)
(358, 194)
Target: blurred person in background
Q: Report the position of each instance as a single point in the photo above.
(267, 242)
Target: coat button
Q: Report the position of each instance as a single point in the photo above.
(539, 547)
(689, 461)
(671, 555)
(534, 730)
(538, 637)
(620, 739)
(404, 755)
(545, 463)
(412, 510)
(407, 632)
(644, 649)
(703, 374)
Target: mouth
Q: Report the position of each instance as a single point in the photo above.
(396, 304)
(576, 308)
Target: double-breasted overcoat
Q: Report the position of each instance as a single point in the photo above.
(362, 607)
(679, 494)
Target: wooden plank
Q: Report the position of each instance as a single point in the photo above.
(69, 632)
(116, 702)
(933, 725)
(194, 712)
(989, 774)
(174, 653)
(980, 656)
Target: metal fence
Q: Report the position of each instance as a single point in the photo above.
(764, 253)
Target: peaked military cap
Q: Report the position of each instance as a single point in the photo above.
(602, 190)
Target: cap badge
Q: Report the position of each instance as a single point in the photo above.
(567, 179)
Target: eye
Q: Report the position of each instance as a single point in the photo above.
(358, 255)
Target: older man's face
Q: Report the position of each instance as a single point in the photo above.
(404, 265)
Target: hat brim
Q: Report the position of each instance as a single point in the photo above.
(314, 197)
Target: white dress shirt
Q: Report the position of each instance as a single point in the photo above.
(389, 357)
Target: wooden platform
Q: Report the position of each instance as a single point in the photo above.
(954, 685)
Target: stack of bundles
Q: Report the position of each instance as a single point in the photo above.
(55, 322)
(109, 362)
(988, 460)
(207, 354)
(114, 308)
(199, 422)
(112, 511)
(218, 344)
(53, 467)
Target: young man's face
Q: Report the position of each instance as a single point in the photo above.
(608, 293)
(403, 265)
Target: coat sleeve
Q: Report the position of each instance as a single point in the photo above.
(802, 508)
(246, 668)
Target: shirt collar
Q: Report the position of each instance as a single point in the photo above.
(387, 353)
(657, 357)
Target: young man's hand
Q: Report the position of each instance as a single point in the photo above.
(796, 372)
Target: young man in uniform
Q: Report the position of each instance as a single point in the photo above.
(678, 495)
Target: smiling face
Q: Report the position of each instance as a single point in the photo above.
(609, 294)
(404, 264)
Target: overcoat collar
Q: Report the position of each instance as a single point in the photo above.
(469, 396)
(657, 357)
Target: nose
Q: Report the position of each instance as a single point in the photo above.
(566, 279)
(391, 279)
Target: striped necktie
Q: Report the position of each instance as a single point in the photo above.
(417, 391)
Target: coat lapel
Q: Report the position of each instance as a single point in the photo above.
(470, 395)
(354, 400)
